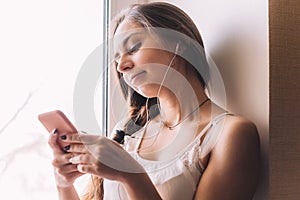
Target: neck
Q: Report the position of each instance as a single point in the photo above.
(182, 105)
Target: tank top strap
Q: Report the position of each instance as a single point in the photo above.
(220, 117)
(213, 122)
(212, 136)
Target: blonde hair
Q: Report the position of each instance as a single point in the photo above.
(95, 189)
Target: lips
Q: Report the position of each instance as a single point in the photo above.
(134, 76)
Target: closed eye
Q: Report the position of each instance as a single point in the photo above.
(136, 47)
(132, 50)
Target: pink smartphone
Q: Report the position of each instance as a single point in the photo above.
(57, 119)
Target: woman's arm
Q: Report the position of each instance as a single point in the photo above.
(139, 186)
(67, 193)
(232, 171)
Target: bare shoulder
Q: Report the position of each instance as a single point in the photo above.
(239, 122)
(238, 134)
(237, 151)
(233, 167)
(239, 130)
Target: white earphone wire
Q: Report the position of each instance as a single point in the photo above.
(147, 116)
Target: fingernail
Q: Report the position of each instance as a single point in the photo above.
(71, 160)
(54, 131)
(66, 148)
(63, 137)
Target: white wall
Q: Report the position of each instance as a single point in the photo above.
(235, 34)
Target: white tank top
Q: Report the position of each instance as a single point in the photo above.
(176, 178)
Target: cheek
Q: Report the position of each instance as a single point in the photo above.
(142, 58)
(155, 64)
(150, 56)
(154, 73)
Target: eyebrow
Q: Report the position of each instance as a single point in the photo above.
(125, 41)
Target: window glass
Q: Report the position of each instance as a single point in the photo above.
(43, 47)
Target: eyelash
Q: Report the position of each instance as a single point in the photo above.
(135, 48)
(132, 50)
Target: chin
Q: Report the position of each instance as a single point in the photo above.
(148, 91)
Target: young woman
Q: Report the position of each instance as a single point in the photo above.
(178, 144)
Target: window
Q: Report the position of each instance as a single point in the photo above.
(43, 47)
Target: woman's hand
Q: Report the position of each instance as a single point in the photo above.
(64, 171)
(104, 157)
(101, 156)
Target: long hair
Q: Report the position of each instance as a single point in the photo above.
(160, 15)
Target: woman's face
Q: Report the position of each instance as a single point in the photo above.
(140, 59)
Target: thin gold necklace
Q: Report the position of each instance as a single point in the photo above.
(172, 127)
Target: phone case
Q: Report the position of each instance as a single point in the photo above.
(57, 119)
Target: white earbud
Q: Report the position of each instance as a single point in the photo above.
(177, 48)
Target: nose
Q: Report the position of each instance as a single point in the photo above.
(124, 63)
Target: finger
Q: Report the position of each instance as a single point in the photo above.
(75, 148)
(52, 141)
(90, 139)
(74, 175)
(67, 169)
(62, 159)
(70, 138)
(81, 138)
(86, 169)
(82, 159)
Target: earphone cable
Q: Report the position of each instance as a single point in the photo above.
(159, 89)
